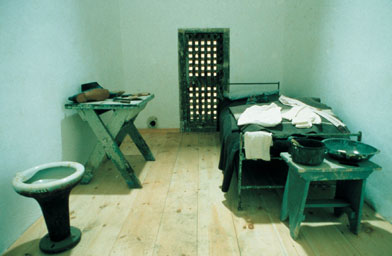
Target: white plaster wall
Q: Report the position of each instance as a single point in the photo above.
(150, 45)
(48, 48)
(341, 51)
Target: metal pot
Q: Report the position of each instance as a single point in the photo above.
(307, 151)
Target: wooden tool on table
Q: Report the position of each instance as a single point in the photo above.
(127, 98)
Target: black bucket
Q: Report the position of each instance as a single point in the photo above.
(307, 151)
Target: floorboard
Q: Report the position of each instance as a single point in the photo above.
(181, 211)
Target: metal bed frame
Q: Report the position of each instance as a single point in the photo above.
(271, 185)
(277, 83)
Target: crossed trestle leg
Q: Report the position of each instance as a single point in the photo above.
(109, 137)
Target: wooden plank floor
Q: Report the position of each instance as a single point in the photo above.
(181, 211)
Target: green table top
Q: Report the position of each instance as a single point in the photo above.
(110, 104)
(330, 165)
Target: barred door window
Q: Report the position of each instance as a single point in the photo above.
(203, 70)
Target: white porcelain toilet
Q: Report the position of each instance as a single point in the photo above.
(50, 184)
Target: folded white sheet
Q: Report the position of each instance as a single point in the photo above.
(257, 145)
(302, 116)
(327, 114)
(266, 115)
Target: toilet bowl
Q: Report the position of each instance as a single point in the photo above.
(50, 184)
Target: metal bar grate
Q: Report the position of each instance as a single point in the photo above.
(203, 58)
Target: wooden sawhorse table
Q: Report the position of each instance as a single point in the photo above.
(349, 195)
(110, 135)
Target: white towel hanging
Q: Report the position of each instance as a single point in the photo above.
(257, 145)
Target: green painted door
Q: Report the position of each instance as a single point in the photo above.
(203, 72)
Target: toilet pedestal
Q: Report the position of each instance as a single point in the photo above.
(61, 236)
(50, 184)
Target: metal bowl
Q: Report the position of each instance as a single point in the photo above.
(349, 150)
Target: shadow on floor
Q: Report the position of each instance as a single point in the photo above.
(108, 180)
(31, 248)
(320, 229)
(270, 200)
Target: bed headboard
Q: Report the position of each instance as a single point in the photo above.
(235, 91)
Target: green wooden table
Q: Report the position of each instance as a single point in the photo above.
(111, 134)
(349, 195)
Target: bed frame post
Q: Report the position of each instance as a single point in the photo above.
(240, 159)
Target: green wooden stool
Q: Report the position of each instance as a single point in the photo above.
(112, 133)
(349, 196)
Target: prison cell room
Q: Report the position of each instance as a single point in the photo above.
(182, 211)
(195, 128)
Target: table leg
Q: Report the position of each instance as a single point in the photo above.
(239, 185)
(139, 141)
(111, 148)
(284, 214)
(98, 154)
(296, 199)
(93, 163)
(339, 194)
(354, 192)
